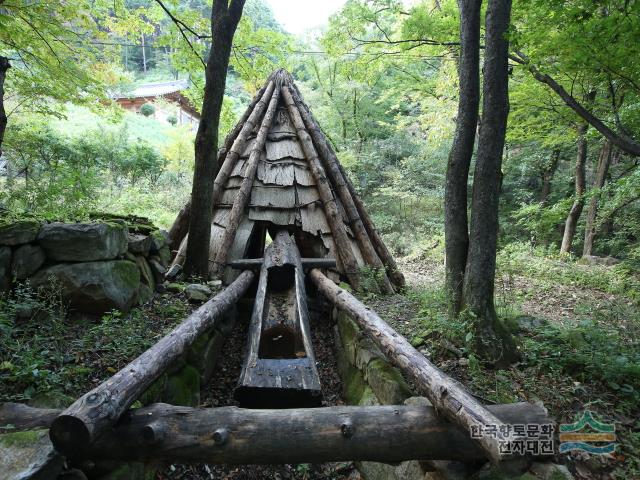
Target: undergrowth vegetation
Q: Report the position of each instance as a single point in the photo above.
(50, 355)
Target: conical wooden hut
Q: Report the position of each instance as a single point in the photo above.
(278, 171)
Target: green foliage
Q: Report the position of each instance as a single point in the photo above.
(47, 354)
(60, 177)
(148, 109)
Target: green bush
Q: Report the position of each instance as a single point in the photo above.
(173, 120)
(147, 109)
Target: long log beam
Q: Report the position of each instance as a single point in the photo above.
(232, 435)
(330, 162)
(96, 411)
(446, 394)
(334, 218)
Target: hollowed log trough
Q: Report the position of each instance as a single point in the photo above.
(279, 369)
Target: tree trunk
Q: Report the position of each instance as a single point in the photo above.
(144, 55)
(447, 395)
(491, 340)
(180, 226)
(96, 411)
(231, 435)
(455, 197)
(4, 66)
(548, 172)
(578, 202)
(604, 160)
(224, 20)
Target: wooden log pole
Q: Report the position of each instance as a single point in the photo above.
(96, 411)
(446, 394)
(334, 219)
(227, 157)
(231, 435)
(244, 192)
(393, 271)
(16, 417)
(331, 164)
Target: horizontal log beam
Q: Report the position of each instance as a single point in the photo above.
(256, 263)
(233, 435)
(96, 411)
(450, 398)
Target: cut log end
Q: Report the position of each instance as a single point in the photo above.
(69, 434)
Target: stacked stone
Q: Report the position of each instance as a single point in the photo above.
(97, 266)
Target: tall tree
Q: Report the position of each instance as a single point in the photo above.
(579, 181)
(4, 66)
(602, 168)
(40, 41)
(455, 200)
(224, 21)
(491, 339)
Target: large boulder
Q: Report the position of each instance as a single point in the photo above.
(5, 268)
(17, 233)
(29, 455)
(27, 259)
(83, 242)
(94, 287)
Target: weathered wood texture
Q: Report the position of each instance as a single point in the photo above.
(446, 394)
(15, 417)
(242, 197)
(97, 410)
(231, 435)
(394, 273)
(333, 216)
(331, 165)
(279, 369)
(307, 263)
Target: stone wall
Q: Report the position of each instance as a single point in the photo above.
(369, 379)
(97, 266)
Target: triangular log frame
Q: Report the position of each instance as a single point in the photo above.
(331, 180)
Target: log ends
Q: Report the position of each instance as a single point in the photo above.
(69, 434)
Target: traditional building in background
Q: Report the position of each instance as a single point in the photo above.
(171, 93)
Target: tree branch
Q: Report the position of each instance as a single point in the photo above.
(180, 25)
(621, 141)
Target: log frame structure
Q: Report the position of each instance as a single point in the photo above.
(231, 435)
(278, 170)
(97, 410)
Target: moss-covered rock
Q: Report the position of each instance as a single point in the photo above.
(26, 261)
(94, 287)
(349, 336)
(386, 382)
(83, 242)
(204, 353)
(18, 232)
(155, 392)
(5, 268)
(29, 455)
(183, 387)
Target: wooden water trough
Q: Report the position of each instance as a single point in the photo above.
(279, 369)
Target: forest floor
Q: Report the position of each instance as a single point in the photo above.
(579, 348)
(579, 343)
